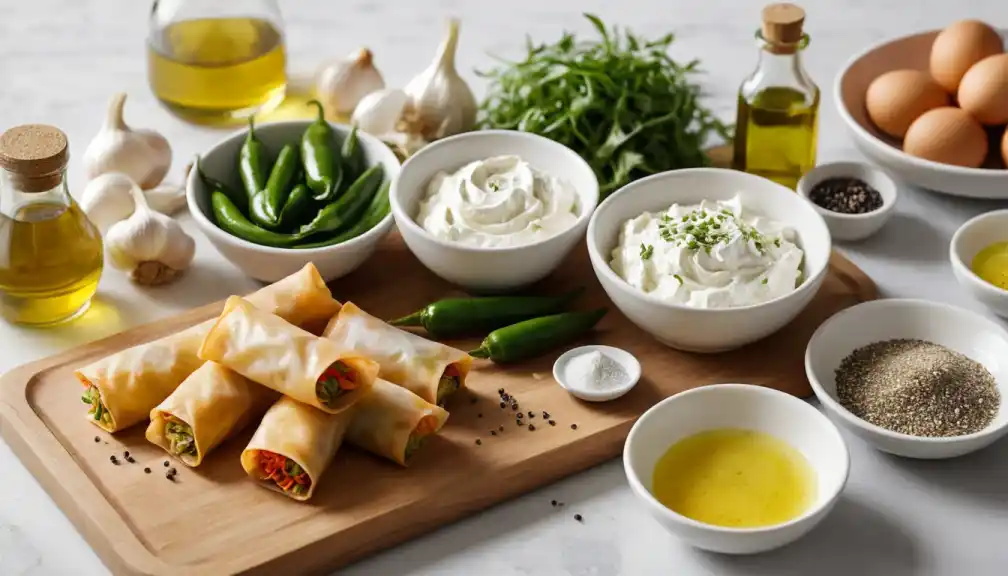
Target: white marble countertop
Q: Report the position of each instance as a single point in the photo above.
(62, 59)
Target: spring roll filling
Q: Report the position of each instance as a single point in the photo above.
(180, 437)
(286, 473)
(337, 380)
(425, 428)
(450, 382)
(96, 408)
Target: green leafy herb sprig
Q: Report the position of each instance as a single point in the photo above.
(621, 102)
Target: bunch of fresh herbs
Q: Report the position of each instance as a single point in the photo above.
(621, 102)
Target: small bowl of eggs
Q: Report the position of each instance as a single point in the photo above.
(932, 108)
(979, 255)
(736, 468)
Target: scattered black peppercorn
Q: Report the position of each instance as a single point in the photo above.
(506, 397)
(514, 406)
(846, 196)
(578, 517)
(493, 432)
(500, 391)
(531, 414)
(97, 439)
(553, 503)
(573, 426)
(146, 470)
(165, 463)
(552, 422)
(501, 427)
(503, 405)
(478, 441)
(519, 422)
(169, 475)
(126, 454)
(113, 460)
(531, 427)
(519, 415)
(545, 414)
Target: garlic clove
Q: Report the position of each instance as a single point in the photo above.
(379, 112)
(143, 155)
(342, 84)
(108, 199)
(151, 246)
(166, 198)
(439, 102)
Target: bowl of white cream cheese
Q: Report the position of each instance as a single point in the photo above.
(707, 259)
(493, 210)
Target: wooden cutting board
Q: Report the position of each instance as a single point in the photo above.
(214, 521)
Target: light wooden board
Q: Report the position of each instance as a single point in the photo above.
(214, 521)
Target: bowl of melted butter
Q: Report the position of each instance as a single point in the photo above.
(736, 468)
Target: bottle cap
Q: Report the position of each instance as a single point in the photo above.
(35, 155)
(782, 26)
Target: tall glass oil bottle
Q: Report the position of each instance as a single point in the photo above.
(216, 62)
(50, 253)
(778, 104)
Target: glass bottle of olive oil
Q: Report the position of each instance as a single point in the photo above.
(778, 104)
(216, 62)
(50, 253)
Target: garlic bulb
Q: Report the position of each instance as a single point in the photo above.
(439, 102)
(109, 198)
(379, 112)
(152, 247)
(143, 155)
(340, 85)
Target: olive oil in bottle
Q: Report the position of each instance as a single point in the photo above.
(50, 253)
(217, 70)
(778, 104)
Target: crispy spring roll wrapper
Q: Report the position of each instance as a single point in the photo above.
(297, 432)
(132, 382)
(393, 422)
(214, 403)
(406, 359)
(266, 349)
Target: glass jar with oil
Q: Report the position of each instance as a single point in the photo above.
(217, 62)
(778, 104)
(50, 253)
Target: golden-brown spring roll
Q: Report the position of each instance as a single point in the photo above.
(293, 446)
(209, 406)
(393, 422)
(123, 388)
(266, 349)
(430, 370)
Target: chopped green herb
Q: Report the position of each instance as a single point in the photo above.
(764, 281)
(679, 278)
(493, 186)
(646, 251)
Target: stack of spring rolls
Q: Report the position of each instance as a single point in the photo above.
(362, 381)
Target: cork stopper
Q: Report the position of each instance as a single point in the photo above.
(35, 155)
(782, 27)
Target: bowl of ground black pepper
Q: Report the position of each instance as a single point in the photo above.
(855, 199)
(913, 378)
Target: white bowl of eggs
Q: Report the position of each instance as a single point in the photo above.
(932, 108)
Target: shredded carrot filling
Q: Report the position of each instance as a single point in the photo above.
(336, 380)
(424, 428)
(287, 474)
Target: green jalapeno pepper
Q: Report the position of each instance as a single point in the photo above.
(323, 167)
(296, 209)
(253, 167)
(466, 316)
(533, 337)
(347, 208)
(240, 199)
(353, 155)
(231, 220)
(375, 213)
(281, 181)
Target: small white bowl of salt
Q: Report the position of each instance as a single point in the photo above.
(597, 373)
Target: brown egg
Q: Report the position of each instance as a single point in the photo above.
(983, 91)
(959, 47)
(947, 135)
(897, 98)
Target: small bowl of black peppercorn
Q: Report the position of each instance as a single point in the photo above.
(855, 199)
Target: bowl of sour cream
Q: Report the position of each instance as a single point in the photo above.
(493, 210)
(707, 259)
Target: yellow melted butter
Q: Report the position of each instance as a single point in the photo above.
(991, 264)
(734, 478)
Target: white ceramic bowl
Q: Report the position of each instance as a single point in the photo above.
(849, 95)
(965, 332)
(970, 239)
(266, 263)
(737, 406)
(708, 330)
(489, 269)
(852, 227)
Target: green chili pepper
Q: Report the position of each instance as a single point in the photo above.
(353, 155)
(281, 181)
(297, 207)
(231, 220)
(253, 166)
(533, 337)
(465, 316)
(322, 165)
(375, 213)
(346, 209)
(240, 199)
